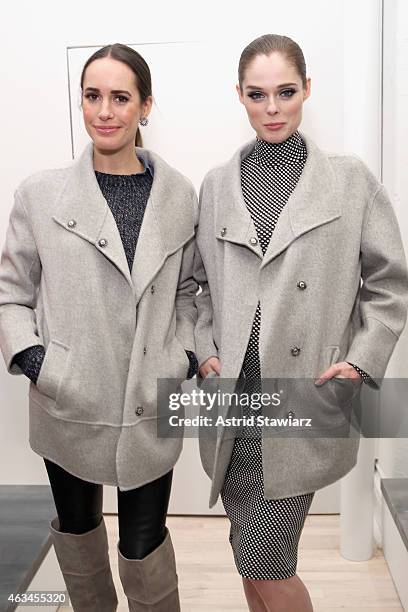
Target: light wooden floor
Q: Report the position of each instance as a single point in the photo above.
(209, 582)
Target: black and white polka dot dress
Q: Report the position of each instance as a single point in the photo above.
(264, 534)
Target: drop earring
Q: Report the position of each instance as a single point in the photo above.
(143, 121)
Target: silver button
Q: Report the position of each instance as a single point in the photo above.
(253, 240)
(139, 410)
(103, 242)
(71, 223)
(223, 231)
(152, 289)
(301, 285)
(295, 350)
(144, 350)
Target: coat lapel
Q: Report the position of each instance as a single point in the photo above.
(168, 222)
(83, 210)
(313, 202)
(233, 218)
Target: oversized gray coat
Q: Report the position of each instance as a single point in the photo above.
(337, 228)
(109, 333)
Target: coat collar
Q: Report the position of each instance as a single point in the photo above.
(313, 202)
(165, 225)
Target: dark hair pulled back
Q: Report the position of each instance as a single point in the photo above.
(136, 63)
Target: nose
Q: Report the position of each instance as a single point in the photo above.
(272, 108)
(105, 111)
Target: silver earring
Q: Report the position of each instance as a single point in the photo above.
(144, 121)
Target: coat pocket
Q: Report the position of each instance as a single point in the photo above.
(335, 395)
(52, 369)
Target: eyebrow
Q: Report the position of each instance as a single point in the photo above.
(278, 87)
(113, 91)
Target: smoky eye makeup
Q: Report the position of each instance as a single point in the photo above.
(288, 92)
(255, 95)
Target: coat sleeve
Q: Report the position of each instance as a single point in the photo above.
(30, 361)
(383, 302)
(205, 346)
(20, 273)
(186, 314)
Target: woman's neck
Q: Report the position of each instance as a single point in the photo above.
(289, 151)
(117, 162)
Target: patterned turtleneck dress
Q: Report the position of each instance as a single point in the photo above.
(264, 534)
(127, 196)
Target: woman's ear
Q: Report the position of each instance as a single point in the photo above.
(147, 106)
(307, 89)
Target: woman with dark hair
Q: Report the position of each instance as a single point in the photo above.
(96, 304)
(286, 235)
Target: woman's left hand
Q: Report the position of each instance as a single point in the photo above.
(340, 370)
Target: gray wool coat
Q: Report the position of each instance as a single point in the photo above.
(109, 333)
(337, 228)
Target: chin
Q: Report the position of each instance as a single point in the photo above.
(276, 137)
(103, 144)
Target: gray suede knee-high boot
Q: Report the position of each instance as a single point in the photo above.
(150, 584)
(84, 562)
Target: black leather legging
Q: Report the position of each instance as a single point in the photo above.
(142, 511)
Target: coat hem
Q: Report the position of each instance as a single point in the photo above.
(91, 480)
(324, 483)
(46, 456)
(97, 454)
